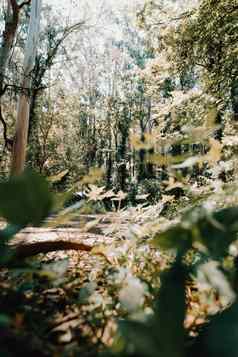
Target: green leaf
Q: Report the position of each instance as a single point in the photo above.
(174, 238)
(222, 337)
(25, 199)
(141, 336)
(164, 334)
(170, 312)
(218, 231)
(219, 338)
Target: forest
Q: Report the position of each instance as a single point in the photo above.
(118, 178)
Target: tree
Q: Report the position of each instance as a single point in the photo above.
(51, 42)
(208, 44)
(11, 15)
(22, 121)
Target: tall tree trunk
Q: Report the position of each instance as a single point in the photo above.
(9, 34)
(8, 37)
(22, 122)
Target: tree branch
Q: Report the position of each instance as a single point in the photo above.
(173, 19)
(24, 3)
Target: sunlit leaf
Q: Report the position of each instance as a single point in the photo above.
(214, 153)
(142, 197)
(146, 143)
(58, 177)
(95, 175)
(119, 196)
(165, 159)
(167, 198)
(211, 117)
(95, 193)
(187, 163)
(172, 183)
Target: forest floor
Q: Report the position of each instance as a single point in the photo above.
(65, 303)
(45, 300)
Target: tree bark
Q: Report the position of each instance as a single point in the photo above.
(9, 34)
(22, 122)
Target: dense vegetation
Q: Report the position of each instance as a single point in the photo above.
(119, 197)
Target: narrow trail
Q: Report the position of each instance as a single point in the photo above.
(78, 234)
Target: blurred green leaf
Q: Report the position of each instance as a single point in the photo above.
(86, 291)
(8, 232)
(25, 199)
(6, 254)
(164, 334)
(211, 274)
(218, 230)
(170, 312)
(174, 238)
(219, 337)
(141, 336)
(222, 336)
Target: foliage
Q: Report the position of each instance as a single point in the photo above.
(210, 43)
(25, 199)
(132, 123)
(215, 232)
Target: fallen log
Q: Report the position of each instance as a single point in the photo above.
(27, 250)
(33, 241)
